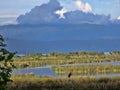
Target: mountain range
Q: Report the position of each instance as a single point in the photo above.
(42, 30)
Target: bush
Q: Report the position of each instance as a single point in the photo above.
(6, 64)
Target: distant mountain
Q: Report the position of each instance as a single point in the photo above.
(31, 46)
(53, 32)
(61, 37)
(42, 30)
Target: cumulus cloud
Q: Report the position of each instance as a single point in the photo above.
(52, 12)
(85, 7)
(41, 14)
(79, 17)
(61, 13)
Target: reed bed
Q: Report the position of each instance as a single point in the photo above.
(86, 69)
(31, 82)
(37, 60)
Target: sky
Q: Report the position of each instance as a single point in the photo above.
(11, 9)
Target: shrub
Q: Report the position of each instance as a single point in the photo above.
(6, 64)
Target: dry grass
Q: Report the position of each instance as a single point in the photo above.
(30, 82)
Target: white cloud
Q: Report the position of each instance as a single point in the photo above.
(118, 18)
(61, 13)
(8, 16)
(52, 11)
(85, 7)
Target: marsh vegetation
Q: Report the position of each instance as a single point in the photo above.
(62, 63)
(80, 62)
(31, 82)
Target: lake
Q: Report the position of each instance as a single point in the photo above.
(38, 71)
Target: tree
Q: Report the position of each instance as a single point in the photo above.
(6, 64)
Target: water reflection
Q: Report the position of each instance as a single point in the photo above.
(38, 71)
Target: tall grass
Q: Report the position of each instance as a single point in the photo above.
(36, 60)
(31, 82)
(86, 69)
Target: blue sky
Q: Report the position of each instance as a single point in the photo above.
(11, 9)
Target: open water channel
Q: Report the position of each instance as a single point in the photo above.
(47, 70)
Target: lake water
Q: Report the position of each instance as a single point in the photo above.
(47, 71)
(38, 71)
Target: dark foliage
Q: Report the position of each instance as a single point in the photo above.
(6, 64)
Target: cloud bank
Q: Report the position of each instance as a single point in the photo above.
(52, 12)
